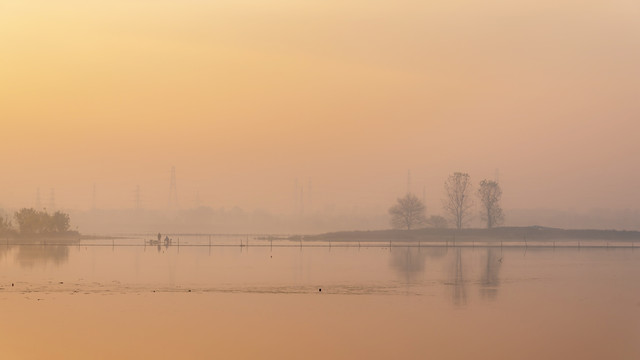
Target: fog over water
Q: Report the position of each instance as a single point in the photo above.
(171, 169)
(249, 98)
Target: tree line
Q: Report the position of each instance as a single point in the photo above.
(31, 222)
(409, 212)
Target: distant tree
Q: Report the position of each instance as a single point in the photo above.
(28, 221)
(458, 200)
(5, 225)
(60, 222)
(33, 222)
(490, 194)
(437, 222)
(407, 213)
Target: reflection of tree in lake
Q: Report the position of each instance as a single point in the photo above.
(30, 256)
(489, 282)
(408, 262)
(4, 250)
(459, 294)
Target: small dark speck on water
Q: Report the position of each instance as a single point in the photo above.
(61, 282)
(320, 290)
(189, 290)
(11, 284)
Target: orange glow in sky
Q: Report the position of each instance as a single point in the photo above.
(243, 97)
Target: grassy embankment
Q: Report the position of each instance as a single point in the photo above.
(500, 234)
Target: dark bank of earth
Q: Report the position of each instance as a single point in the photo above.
(505, 234)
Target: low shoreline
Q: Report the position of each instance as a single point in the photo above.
(500, 234)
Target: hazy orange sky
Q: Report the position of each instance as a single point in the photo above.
(243, 97)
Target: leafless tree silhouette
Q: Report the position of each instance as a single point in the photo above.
(458, 200)
(407, 213)
(490, 194)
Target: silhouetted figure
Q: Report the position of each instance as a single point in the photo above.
(159, 237)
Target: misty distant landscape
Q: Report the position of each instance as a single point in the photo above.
(207, 219)
(319, 179)
(221, 220)
(307, 217)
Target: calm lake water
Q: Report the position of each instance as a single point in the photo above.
(94, 300)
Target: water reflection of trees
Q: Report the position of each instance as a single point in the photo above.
(489, 280)
(459, 292)
(4, 250)
(30, 256)
(489, 276)
(410, 262)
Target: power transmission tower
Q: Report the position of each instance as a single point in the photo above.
(136, 197)
(296, 199)
(198, 203)
(173, 190)
(52, 200)
(93, 198)
(309, 203)
(424, 197)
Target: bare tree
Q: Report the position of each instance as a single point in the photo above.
(407, 213)
(490, 194)
(458, 200)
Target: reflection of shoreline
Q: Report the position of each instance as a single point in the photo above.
(32, 255)
(45, 240)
